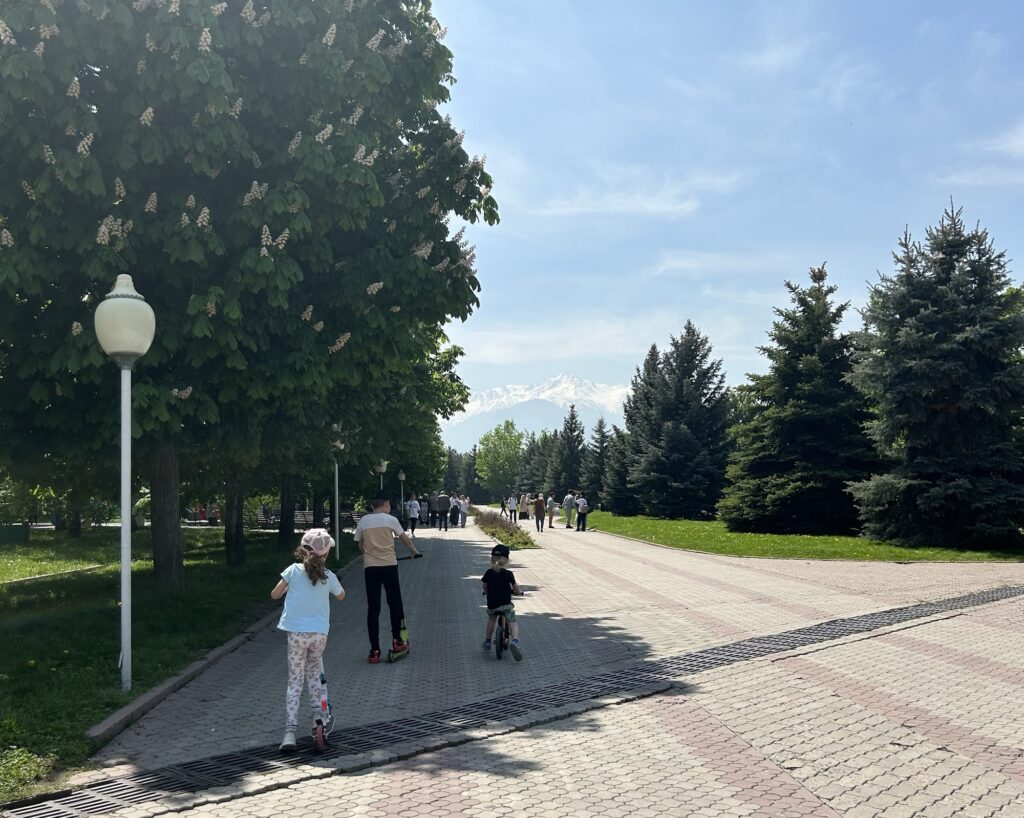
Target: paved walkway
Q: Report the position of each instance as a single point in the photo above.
(926, 718)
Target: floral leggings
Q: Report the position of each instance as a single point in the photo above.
(304, 652)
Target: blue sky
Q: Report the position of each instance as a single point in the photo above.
(659, 161)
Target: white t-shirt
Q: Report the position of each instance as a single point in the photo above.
(376, 537)
(464, 505)
(413, 508)
(568, 500)
(581, 505)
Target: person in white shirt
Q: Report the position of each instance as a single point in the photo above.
(375, 536)
(582, 509)
(552, 507)
(512, 510)
(412, 510)
(568, 506)
(463, 509)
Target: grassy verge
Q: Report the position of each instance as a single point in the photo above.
(502, 530)
(61, 638)
(48, 552)
(713, 537)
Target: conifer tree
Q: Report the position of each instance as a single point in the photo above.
(595, 462)
(617, 496)
(803, 441)
(940, 359)
(566, 465)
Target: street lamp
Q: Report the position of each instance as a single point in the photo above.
(381, 468)
(125, 326)
(401, 482)
(337, 513)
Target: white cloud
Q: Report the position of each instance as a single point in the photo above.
(699, 262)
(777, 56)
(1010, 142)
(983, 176)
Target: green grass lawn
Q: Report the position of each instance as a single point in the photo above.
(713, 537)
(61, 638)
(50, 551)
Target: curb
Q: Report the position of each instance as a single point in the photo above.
(137, 707)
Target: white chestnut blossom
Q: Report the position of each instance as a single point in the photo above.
(205, 41)
(282, 240)
(357, 114)
(25, 186)
(39, 49)
(147, 117)
(328, 38)
(375, 40)
(182, 394)
(339, 342)
(218, 9)
(74, 89)
(174, 7)
(307, 314)
(257, 191)
(460, 186)
(256, 163)
(85, 145)
(422, 250)
(190, 202)
(294, 144)
(325, 134)
(185, 220)
(76, 328)
(319, 325)
(236, 109)
(6, 36)
(396, 308)
(150, 42)
(422, 192)
(48, 5)
(248, 13)
(264, 19)
(375, 288)
(203, 219)
(140, 66)
(48, 156)
(111, 228)
(265, 238)
(119, 191)
(6, 239)
(48, 32)
(151, 203)
(211, 308)
(440, 268)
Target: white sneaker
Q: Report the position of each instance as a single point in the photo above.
(288, 742)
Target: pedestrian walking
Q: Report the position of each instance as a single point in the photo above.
(307, 587)
(463, 509)
(552, 505)
(375, 536)
(582, 509)
(512, 512)
(538, 511)
(444, 505)
(412, 510)
(568, 506)
(524, 506)
(432, 509)
(504, 503)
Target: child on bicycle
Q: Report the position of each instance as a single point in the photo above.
(307, 616)
(499, 585)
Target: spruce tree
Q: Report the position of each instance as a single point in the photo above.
(595, 462)
(617, 496)
(803, 440)
(940, 359)
(566, 465)
(679, 467)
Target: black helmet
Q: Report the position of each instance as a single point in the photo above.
(499, 551)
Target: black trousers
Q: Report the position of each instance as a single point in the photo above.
(442, 520)
(581, 521)
(412, 523)
(386, 577)
(512, 514)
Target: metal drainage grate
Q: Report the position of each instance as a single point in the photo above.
(223, 770)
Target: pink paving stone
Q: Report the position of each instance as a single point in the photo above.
(973, 662)
(756, 780)
(937, 728)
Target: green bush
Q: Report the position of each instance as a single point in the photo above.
(503, 530)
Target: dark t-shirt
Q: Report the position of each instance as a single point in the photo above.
(499, 587)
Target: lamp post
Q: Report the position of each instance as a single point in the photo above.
(401, 482)
(337, 513)
(381, 468)
(125, 326)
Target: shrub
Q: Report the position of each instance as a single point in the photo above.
(503, 530)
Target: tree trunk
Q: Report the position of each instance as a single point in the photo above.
(286, 527)
(318, 510)
(234, 531)
(165, 487)
(74, 522)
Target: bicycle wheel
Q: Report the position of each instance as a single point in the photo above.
(499, 637)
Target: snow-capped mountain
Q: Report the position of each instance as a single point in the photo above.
(532, 408)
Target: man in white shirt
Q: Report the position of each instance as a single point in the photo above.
(513, 512)
(463, 509)
(412, 511)
(582, 509)
(568, 506)
(375, 536)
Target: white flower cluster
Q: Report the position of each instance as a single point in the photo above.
(151, 203)
(205, 41)
(365, 159)
(428, 52)
(39, 49)
(211, 308)
(392, 226)
(111, 228)
(236, 109)
(185, 220)
(147, 117)
(25, 186)
(76, 328)
(70, 130)
(319, 325)
(257, 191)
(307, 314)
(304, 59)
(422, 250)
(375, 40)
(218, 9)
(439, 31)
(436, 209)
(282, 240)
(150, 42)
(264, 19)
(440, 268)
(203, 219)
(325, 134)
(460, 186)
(256, 163)
(140, 66)
(357, 114)
(190, 202)
(74, 89)
(375, 288)
(85, 145)
(6, 36)
(182, 394)
(174, 7)
(328, 38)
(248, 13)
(393, 52)
(485, 191)
(48, 156)
(339, 342)
(48, 5)
(265, 238)
(422, 192)
(6, 239)
(294, 207)
(396, 308)
(349, 5)
(48, 32)
(119, 191)
(294, 144)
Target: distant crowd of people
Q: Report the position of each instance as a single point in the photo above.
(573, 505)
(438, 509)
